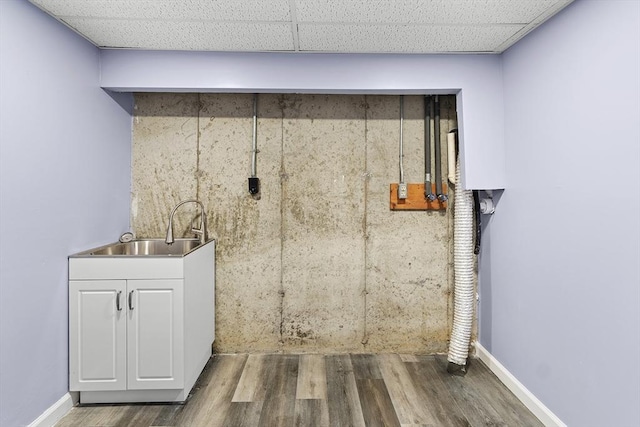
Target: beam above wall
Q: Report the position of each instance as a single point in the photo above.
(476, 79)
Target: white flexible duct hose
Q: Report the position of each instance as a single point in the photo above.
(463, 273)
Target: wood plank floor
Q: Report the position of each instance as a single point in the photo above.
(326, 390)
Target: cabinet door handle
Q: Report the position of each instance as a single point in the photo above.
(118, 306)
(131, 300)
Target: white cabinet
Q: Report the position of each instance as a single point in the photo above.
(126, 334)
(97, 335)
(155, 339)
(135, 336)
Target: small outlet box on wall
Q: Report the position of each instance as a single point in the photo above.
(414, 199)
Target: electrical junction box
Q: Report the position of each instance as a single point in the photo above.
(254, 185)
(415, 200)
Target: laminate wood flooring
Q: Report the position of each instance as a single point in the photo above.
(357, 390)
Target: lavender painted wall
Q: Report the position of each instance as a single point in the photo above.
(64, 187)
(560, 275)
(477, 80)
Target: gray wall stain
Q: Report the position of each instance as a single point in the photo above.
(319, 262)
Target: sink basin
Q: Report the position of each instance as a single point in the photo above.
(145, 247)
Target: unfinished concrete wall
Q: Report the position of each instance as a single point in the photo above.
(319, 262)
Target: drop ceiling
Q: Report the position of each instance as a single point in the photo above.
(339, 26)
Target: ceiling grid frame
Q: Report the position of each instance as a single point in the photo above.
(335, 26)
(294, 25)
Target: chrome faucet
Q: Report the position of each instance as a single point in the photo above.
(202, 231)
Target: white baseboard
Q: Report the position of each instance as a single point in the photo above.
(56, 411)
(543, 413)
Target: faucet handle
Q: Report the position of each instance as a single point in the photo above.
(198, 227)
(202, 230)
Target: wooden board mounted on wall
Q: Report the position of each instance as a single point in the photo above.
(415, 200)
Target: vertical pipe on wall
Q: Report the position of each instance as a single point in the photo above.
(254, 150)
(402, 186)
(438, 157)
(478, 223)
(401, 138)
(428, 105)
(254, 182)
(452, 143)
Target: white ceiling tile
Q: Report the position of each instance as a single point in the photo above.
(221, 36)
(422, 11)
(176, 10)
(403, 39)
(418, 26)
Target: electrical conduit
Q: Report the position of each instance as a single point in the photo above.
(436, 148)
(428, 106)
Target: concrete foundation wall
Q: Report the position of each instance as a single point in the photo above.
(319, 262)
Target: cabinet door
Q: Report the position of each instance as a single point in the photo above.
(155, 334)
(97, 335)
